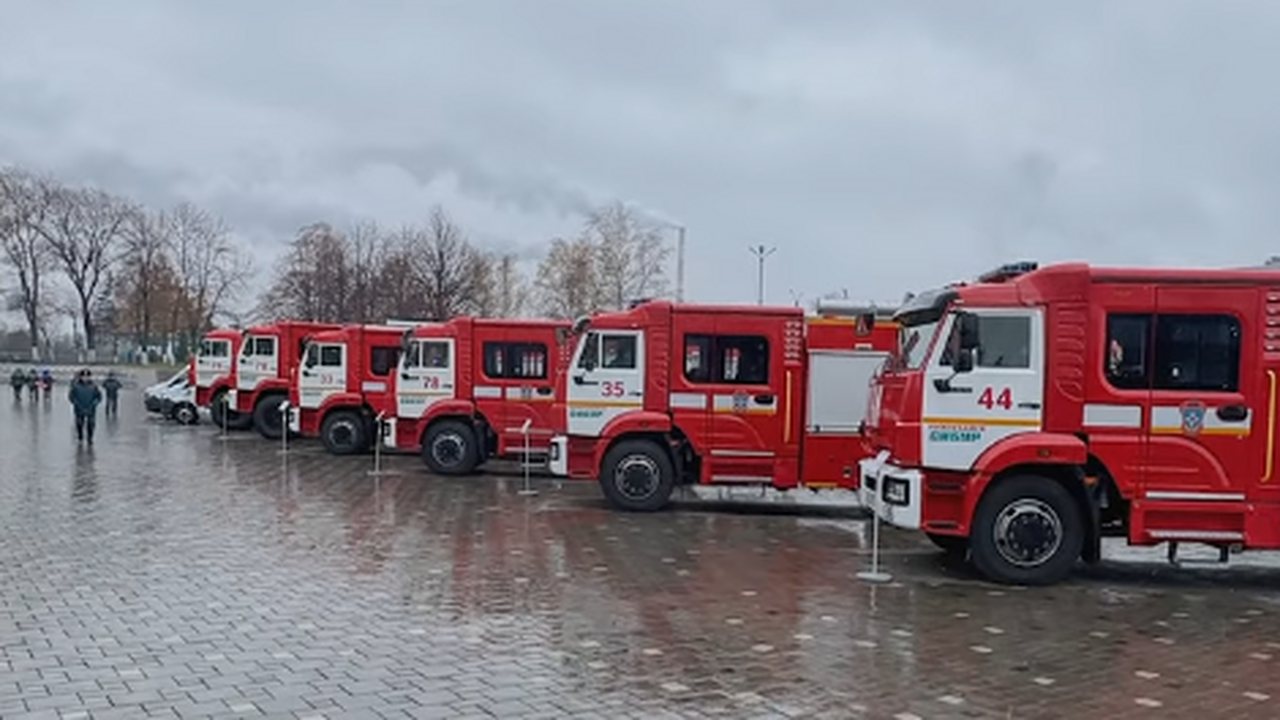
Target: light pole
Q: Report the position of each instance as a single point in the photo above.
(761, 253)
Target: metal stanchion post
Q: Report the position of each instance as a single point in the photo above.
(377, 444)
(875, 575)
(284, 427)
(526, 489)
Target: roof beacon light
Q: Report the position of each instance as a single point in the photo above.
(1008, 271)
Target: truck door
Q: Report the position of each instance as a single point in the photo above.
(426, 376)
(691, 376)
(606, 381)
(1208, 408)
(966, 413)
(745, 426)
(258, 361)
(520, 365)
(323, 374)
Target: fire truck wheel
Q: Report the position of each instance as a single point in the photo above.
(235, 421)
(950, 544)
(1027, 531)
(450, 448)
(267, 418)
(638, 476)
(343, 433)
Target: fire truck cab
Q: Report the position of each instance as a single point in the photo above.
(342, 385)
(669, 394)
(471, 389)
(1038, 410)
(212, 374)
(269, 354)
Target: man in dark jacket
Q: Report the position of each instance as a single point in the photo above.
(85, 396)
(112, 386)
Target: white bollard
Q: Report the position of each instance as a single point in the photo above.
(377, 444)
(874, 575)
(526, 490)
(284, 426)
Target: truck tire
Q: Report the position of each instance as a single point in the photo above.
(186, 414)
(1027, 531)
(450, 448)
(638, 476)
(344, 432)
(235, 421)
(267, 418)
(952, 545)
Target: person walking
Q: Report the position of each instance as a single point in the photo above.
(84, 396)
(112, 387)
(18, 380)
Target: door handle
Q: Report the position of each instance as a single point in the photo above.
(943, 385)
(405, 376)
(1232, 413)
(544, 391)
(580, 380)
(1029, 405)
(764, 399)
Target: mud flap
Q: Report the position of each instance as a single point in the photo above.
(1092, 550)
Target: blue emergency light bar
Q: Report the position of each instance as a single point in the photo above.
(1008, 271)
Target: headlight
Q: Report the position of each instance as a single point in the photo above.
(554, 453)
(896, 492)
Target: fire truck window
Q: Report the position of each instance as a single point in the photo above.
(744, 360)
(330, 356)
(590, 357)
(215, 348)
(413, 358)
(1126, 355)
(435, 355)
(1197, 352)
(382, 360)
(515, 360)
(1004, 341)
(697, 358)
(264, 346)
(618, 351)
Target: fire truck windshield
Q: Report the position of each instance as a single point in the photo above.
(914, 342)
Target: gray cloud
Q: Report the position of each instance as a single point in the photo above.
(882, 146)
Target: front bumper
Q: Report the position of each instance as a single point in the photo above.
(558, 456)
(893, 493)
(153, 403)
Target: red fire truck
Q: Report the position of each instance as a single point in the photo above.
(1038, 410)
(343, 383)
(668, 394)
(268, 356)
(212, 374)
(466, 389)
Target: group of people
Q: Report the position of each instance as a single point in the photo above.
(32, 382)
(84, 395)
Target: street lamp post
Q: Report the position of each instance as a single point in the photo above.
(761, 253)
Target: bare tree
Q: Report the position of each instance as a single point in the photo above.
(567, 280)
(632, 254)
(84, 231)
(364, 249)
(445, 265)
(25, 205)
(142, 274)
(210, 266)
(312, 279)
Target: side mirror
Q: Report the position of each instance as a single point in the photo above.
(967, 327)
(963, 362)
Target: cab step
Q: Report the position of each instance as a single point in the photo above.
(1224, 552)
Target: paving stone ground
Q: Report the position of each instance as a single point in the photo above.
(170, 573)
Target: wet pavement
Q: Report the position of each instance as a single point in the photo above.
(171, 573)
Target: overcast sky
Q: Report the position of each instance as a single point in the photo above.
(881, 146)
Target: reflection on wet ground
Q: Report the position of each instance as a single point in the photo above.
(170, 572)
